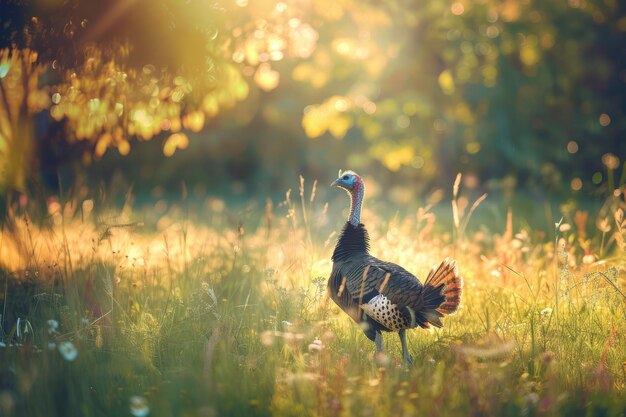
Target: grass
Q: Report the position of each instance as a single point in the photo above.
(179, 317)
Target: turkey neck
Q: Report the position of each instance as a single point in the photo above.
(353, 242)
(356, 201)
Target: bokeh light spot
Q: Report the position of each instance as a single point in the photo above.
(457, 8)
(123, 148)
(403, 121)
(572, 147)
(472, 148)
(446, 82)
(173, 142)
(369, 107)
(597, 178)
(418, 162)
(492, 31)
(610, 161)
(604, 120)
(266, 78)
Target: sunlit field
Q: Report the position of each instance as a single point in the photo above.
(168, 223)
(116, 315)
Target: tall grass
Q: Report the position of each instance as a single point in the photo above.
(187, 319)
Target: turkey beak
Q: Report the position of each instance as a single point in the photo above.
(335, 183)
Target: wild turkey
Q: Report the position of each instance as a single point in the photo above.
(382, 296)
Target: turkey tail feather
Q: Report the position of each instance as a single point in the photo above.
(442, 290)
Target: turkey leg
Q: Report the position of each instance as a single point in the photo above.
(406, 356)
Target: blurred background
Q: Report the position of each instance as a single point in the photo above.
(231, 101)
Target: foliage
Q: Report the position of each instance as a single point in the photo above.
(512, 92)
(128, 74)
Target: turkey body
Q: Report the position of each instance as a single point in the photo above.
(383, 296)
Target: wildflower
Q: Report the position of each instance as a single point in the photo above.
(84, 321)
(68, 351)
(316, 346)
(546, 311)
(603, 225)
(267, 338)
(373, 382)
(383, 359)
(287, 323)
(139, 406)
(51, 345)
(589, 259)
(53, 326)
(565, 227)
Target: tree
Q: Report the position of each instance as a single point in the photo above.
(112, 71)
(419, 89)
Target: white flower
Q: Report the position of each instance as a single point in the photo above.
(589, 259)
(51, 345)
(53, 326)
(85, 321)
(287, 323)
(68, 351)
(316, 346)
(139, 406)
(546, 311)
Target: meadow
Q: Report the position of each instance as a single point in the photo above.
(180, 311)
(160, 255)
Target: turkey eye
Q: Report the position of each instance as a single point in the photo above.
(345, 177)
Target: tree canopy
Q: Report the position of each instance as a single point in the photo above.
(527, 90)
